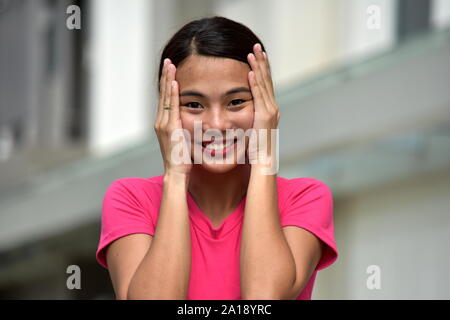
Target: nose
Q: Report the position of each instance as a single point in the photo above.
(217, 118)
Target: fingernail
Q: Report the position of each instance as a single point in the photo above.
(258, 46)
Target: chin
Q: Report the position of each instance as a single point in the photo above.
(218, 168)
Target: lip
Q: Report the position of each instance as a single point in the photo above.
(223, 151)
(223, 141)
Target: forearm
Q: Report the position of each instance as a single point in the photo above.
(267, 264)
(165, 269)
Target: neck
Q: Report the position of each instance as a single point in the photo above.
(218, 194)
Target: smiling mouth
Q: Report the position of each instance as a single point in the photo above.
(211, 145)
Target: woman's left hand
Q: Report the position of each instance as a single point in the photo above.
(260, 79)
(266, 114)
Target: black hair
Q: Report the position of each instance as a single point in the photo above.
(212, 36)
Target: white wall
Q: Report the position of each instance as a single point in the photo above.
(120, 89)
(305, 37)
(404, 228)
(356, 36)
(298, 35)
(440, 14)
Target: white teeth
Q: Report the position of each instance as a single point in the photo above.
(217, 146)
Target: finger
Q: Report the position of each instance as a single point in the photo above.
(163, 73)
(259, 80)
(258, 99)
(256, 61)
(268, 63)
(269, 69)
(269, 72)
(269, 80)
(260, 72)
(264, 71)
(267, 90)
(169, 78)
(174, 112)
(162, 87)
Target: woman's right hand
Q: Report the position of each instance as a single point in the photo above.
(167, 121)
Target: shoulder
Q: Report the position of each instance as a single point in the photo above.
(301, 184)
(146, 191)
(134, 184)
(302, 189)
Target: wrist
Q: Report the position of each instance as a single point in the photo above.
(268, 167)
(177, 178)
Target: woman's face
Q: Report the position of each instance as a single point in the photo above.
(208, 94)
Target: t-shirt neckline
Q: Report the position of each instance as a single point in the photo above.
(202, 221)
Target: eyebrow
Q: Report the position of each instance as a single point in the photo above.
(199, 94)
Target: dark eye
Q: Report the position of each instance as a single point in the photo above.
(193, 105)
(237, 102)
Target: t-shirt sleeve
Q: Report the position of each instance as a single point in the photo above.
(309, 205)
(123, 213)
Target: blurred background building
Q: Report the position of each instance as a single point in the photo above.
(363, 88)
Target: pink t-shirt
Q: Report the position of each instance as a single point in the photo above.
(131, 205)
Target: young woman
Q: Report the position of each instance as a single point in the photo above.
(211, 230)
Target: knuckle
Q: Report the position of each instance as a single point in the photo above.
(167, 128)
(171, 128)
